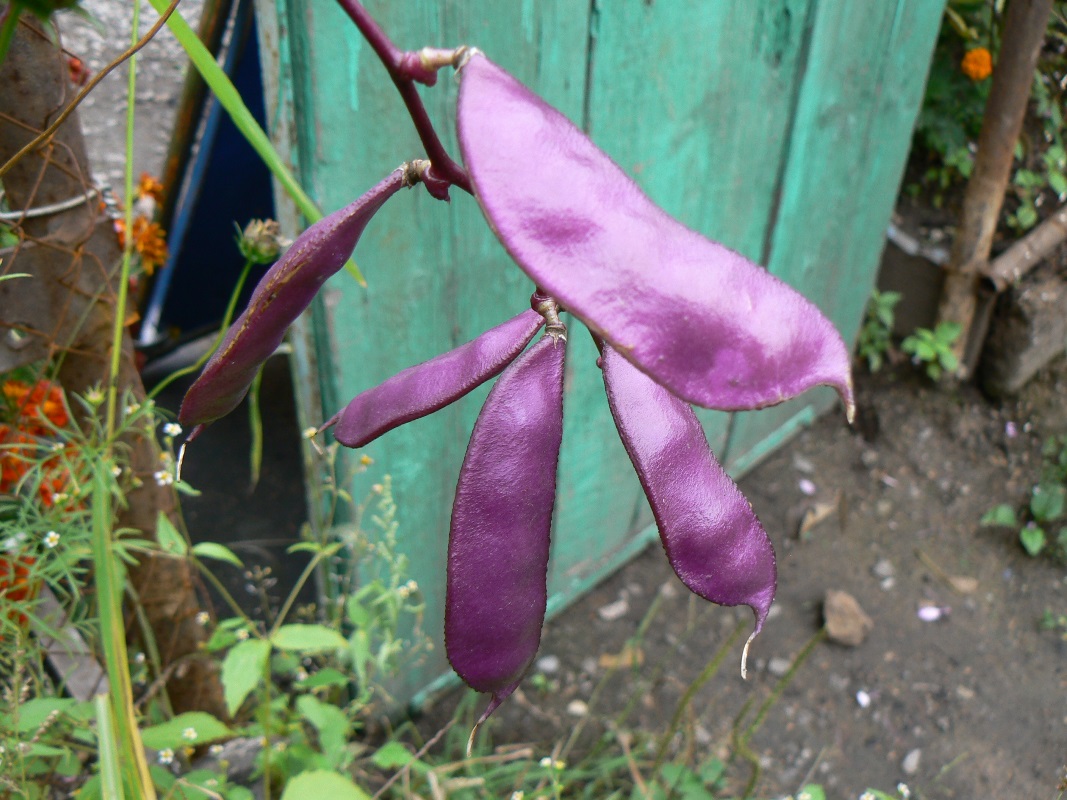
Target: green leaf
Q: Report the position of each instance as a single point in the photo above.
(169, 538)
(323, 678)
(1057, 182)
(331, 723)
(1047, 502)
(322, 784)
(1002, 515)
(191, 728)
(33, 713)
(813, 792)
(393, 756)
(218, 552)
(242, 670)
(308, 638)
(1032, 539)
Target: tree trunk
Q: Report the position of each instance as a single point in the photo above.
(1024, 33)
(66, 312)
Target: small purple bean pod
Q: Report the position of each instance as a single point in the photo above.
(713, 540)
(498, 544)
(283, 293)
(700, 319)
(427, 387)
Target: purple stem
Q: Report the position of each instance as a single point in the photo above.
(405, 69)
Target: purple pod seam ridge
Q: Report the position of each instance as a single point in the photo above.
(496, 591)
(430, 386)
(716, 329)
(712, 537)
(283, 293)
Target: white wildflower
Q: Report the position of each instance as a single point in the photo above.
(51, 539)
(116, 470)
(166, 756)
(163, 477)
(309, 433)
(241, 634)
(189, 734)
(203, 618)
(903, 790)
(215, 750)
(172, 429)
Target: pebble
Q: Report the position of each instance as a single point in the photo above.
(614, 611)
(910, 764)
(549, 665)
(846, 622)
(883, 568)
(778, 666)
(577, 708)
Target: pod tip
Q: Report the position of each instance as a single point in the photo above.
(744, 655)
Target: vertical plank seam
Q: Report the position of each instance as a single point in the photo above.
(590, 57)
(767, 249)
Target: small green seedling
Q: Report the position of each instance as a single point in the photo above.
(933, 348)
(876, 334)
(1048, 504)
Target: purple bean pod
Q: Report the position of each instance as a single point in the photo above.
(710, 325)
(283, 293)
(713, 540)
(501, 523)
(427, 387)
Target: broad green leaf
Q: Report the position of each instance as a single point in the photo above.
(242, 670)
(307, 638)
(1003, 515)
(393, 755)
(323, 678)
(1032, 539)
(322, 784)
(1047, 502)
(192, 728)
(169, 538)
(331, 723)
(33, 713)
(216, 551)
(813, 792)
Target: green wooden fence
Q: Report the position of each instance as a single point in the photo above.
(779, 127)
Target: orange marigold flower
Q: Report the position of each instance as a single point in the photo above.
(149, 241)
(149, 186)
(977, 64)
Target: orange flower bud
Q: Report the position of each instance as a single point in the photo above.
(977, 64)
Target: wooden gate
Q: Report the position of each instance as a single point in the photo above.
(779, 127)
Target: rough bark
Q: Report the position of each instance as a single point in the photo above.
(1024, 32)
(66, 311)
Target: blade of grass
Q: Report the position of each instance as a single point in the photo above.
(110, 773)
(113, 639)
(230, 99)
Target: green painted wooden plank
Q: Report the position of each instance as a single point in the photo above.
(862, 89)
(718, 124)
(692, 125)
(436, 276)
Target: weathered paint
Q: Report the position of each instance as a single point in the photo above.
(779, 127)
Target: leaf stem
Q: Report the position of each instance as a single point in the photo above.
(405, 68)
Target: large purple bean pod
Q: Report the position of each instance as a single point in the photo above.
(427, 387)
(710, 325)
(283, 293)
(712, 537)
(501, 522)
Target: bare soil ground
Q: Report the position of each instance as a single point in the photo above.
(970, 705)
